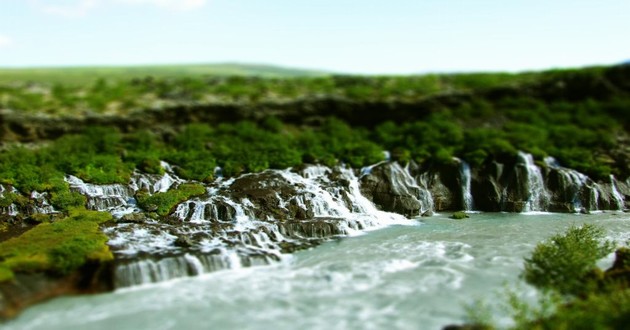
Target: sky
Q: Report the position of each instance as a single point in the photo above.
(348, 36)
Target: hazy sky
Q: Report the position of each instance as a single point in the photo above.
(363, 36)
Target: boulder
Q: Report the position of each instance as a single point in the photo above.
(392, 189)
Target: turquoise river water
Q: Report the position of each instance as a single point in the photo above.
(418, 276)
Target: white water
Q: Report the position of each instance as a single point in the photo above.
(404, 184)
(399, 277)
(615, 193)
(232, 236)
(465, 178)
(538, 196)
(577, 183)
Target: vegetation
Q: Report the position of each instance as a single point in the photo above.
(567, 263)
(58, 248)
(476, 117)
(76, 76)
(459, 215)
(163, 202)
(575, 293)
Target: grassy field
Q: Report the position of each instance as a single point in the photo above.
(89, 74)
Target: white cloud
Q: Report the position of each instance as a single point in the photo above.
(78, 8)
(181, 5)
(75, 8)
(5, 41)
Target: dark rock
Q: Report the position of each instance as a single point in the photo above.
(133, 217)
(486, 187)
(388, 188)
(28, 289)
(467, 327)
(620, 270)
(183, 242)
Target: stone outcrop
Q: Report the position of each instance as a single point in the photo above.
(29, 289)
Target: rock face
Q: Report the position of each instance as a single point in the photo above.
(29, 289)
(393, 189)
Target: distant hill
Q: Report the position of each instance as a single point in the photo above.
(81, 75)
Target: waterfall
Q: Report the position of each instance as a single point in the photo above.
(537, 196)
(406, 185)
(227, 230)
(465, 177)
(41, 204)
(155, 183)
(574, 185)
(114, 198)
(615, 193)
(12, 209)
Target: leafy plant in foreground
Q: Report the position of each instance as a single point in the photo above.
(566, 263)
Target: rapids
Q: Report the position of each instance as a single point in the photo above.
(416, 276)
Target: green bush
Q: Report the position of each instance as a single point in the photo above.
(67, 200)
(566, 263)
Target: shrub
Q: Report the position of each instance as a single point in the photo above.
(66, 200)
(566, 262)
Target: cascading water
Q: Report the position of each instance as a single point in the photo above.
(575, 185)
(465, 178)
(155, 183)
(223, 229)
(537, 197)
(114, 198)
(619, 200)
(11, 209)
(404, 184)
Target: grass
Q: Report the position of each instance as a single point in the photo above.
(59, 247)
(76, 76)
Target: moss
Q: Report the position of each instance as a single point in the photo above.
(40, 217)
(459, 215)
(59, 247)
(66, 200)
(10, 198)
(5, 274)
(163, 202)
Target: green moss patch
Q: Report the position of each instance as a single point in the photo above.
(58, 247)
(459, 215)
(163, 202)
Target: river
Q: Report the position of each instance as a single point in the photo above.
(416, 276)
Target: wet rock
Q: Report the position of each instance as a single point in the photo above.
(183, 242)
(392, 189)
(267, 191)
(133, 217)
